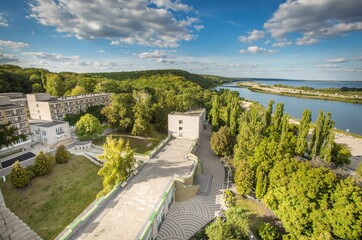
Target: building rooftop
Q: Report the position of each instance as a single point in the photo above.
(9, 106)
(47, 124)
(193, 112)
(125, 214)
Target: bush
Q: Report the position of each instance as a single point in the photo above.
(62, 155)
(229, 198)
(42, 164)
(32, 171)
(19, 176)
(268, 232)
(359, 169)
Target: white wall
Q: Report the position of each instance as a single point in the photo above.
(190, 126)
(51, 136)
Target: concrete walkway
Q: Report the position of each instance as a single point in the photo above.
(186, 218)
(123, 216)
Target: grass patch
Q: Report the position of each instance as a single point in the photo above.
(258, 213)
(142, 145)
(50, 203)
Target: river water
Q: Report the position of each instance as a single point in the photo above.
(346, 115)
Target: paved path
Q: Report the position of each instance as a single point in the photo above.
(123, 216)
(186, 218)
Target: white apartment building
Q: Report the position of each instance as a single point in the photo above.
(186, 124)
(42, 106)
(17, 98)
(13, 114)
(50, 132)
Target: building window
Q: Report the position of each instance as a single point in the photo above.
(179, 128)
(37, 105)
(180, 121)
(44, 133)
(180, 134)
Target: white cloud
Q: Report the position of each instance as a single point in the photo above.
(141, 22)
(305, 40)
(173, 5)
(252, 37)
(7, 58)
(101, 51)
(282, 43)
(337, 60)
(199, 27)
(315, 19)
(256, 49)
(158, 56)
(11, 44)
(3, 21)
(51, 56)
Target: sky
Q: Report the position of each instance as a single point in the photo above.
(292, 39)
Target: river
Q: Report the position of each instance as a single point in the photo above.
(346, 115)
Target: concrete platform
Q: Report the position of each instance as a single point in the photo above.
(124, 215)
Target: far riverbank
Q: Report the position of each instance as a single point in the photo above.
(349, 97)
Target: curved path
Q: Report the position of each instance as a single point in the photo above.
(184, 219)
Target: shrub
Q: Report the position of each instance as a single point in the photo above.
(359, 169)
(229, 198)
(62, 155)
(32, 171)
(19, 176)
(268, 232)
(42, 164)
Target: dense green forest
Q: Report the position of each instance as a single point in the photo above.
(290, 172)
(27, 80)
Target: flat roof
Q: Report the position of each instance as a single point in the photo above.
(10, 106)
(48, 124)
(193, 112)
(125, 214)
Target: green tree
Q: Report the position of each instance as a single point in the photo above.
(118, 160)
(42, 164)
(62, 155)
(9, 135)
(269, 112)
(243, 178)
(345, 216)
(303, 130)
(341, 155)
(37, 88)
(276, 124)
(222, 142)
(215, 114)
(119, 113)
(142, 113)
(359, 169)
(251, 132)
(268, 232)
(261, 185)
(235, 226)
(54, 85)
(78, 90)
(18, 175)
(88, 127)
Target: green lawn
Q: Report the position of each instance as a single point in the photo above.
(50, 203)
(258, 213)
(142, 145)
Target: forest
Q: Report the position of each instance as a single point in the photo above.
(288, 169)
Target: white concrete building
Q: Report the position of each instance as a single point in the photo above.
(186, 124)
(50, 132)
(42, 106)
(13, 114)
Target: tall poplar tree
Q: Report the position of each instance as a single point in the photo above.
(303, 130)
(215, 113)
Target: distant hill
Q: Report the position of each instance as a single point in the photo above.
(205, 81)
(16, 79)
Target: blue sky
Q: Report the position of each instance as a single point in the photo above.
(293, 39)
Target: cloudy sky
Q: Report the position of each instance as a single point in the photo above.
(293, 39)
